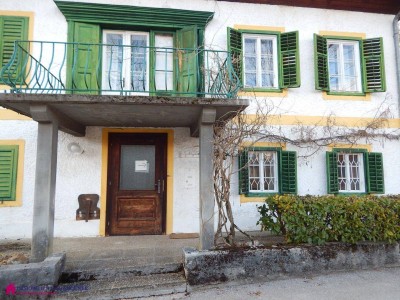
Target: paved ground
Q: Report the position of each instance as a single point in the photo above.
(376, 284)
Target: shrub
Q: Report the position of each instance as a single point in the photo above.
(320, 219)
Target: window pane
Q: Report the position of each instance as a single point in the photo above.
(349, 69)
(348, 52)
(250, 62)
(333, 52)
(334, 83)
(138, 62)
(164, 62)
(254, 171)
(342, 172)
(113, 62)
(267, 63)
(350, 172)
(262, 171)
(137, 169)
(251, 79)
(334, 67)
(250, 46)
(266, 47)
(267, 80)
(269, 171)
(344, 68)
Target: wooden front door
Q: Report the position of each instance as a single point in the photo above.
(136, 183)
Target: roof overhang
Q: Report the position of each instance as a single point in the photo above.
(390, 7)
(75, 112)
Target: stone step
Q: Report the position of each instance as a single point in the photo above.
(127, 286)
(99, 269)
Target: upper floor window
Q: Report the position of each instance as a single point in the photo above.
(260, 61)
(344, 66)
(265, 60)
(349, 65)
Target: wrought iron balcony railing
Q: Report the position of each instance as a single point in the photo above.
(55, 67)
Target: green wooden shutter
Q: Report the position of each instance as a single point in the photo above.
(8, 172)
(84, 59)
(288, 172)
(188, 63)
(290, 62)
(243, 172)
(373, 65)
(375, 178)
(235, 50)
(332, 172)
(13, 29)
(321, 63)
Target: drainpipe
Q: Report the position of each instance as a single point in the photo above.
(397, 51)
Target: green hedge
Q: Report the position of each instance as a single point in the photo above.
(320, 219)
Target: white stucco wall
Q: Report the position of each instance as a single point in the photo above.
(82, 173)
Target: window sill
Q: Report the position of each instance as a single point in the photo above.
(352, 193)
(9, 203)
(262, 93)
(346, 96)
(255, 197)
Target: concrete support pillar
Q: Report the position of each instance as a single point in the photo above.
(45, 182)
(206, 134)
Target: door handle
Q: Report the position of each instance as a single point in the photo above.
(160, 186)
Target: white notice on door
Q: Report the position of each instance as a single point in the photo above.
(142, 166)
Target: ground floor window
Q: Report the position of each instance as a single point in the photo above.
(263, 173)
(350, 172)
(354, 171)
(8, 172)
(265, 170)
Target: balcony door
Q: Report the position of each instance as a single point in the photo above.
(125, 62)
(133, 64)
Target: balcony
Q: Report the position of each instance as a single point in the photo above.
(38, 67)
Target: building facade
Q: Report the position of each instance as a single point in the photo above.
(312, 65)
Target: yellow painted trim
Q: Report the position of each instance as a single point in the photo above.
(322, 121)
(244, 199)
(257, 27)
(264, 144)
(361, 35)
(263, 94)
(367, 147)
(20, 172)
(366, 97)
(170, 172)
(31, 16)
(7, 114)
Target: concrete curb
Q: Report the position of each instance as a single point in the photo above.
(203, 267)
(45, 273)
